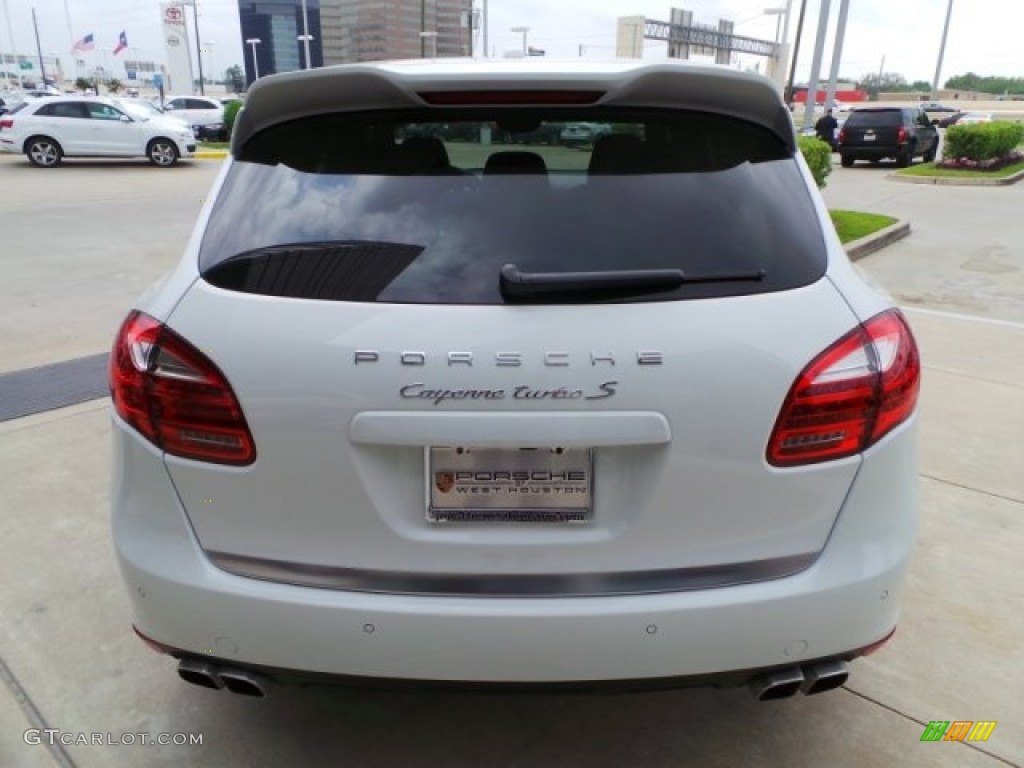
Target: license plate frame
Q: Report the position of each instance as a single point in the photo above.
(551, 485)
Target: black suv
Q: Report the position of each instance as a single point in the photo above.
(875, 133)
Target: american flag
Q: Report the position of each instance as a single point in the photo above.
(85, 44)
(122, 43)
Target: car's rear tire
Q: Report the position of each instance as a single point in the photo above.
(846, 161)
(906, 157)
(929, 156)
(43, 152)
(162, 152)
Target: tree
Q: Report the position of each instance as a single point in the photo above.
(230, 114)
(986, 84)
(889, 82)
(921, 85)
(84, 84)
(234, 79)
(113, 85)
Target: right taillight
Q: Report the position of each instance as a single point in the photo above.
(901, 136)
(6, 122)
(175, 396)
(850, 396)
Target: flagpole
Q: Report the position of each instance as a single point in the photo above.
(67, 19)
(14, 50)
(39, 49)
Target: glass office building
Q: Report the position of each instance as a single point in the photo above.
(277, 24)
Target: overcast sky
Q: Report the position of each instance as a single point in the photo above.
(983, 35)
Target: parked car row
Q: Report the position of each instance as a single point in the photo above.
(49, 129)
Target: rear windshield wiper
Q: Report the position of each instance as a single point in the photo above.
(579, 286)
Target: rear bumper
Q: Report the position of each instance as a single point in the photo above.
(846, 600)
(871, 152)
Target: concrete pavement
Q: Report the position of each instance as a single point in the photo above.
(75, 665)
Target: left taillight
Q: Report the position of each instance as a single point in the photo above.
(7, 122)
(175, 396)
(850, 396)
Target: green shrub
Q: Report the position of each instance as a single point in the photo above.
(230, 113)
(985, 141)
(818, 155)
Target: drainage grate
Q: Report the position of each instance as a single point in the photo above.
(35, 390)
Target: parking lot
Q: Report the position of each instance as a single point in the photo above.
(81, 242)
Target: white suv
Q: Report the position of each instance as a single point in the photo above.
(420, 405)
(206, 116)
(50, 129)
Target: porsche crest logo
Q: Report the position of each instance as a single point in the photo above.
(444, 481)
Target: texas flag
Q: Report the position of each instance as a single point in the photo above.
(122, 43)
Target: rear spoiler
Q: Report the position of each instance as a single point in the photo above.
(422, 83)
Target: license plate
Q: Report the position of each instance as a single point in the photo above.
(869, 137)
(509, 485)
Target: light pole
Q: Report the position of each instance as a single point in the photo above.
(521, 31)
(254, 41)
(199, 52)
(208, 49)
(485, 24)
(837, 53)
(778, 13)
(819, 51)
(432, 36)
(305, 37)
(779, 59)
(796, 52)
(58, 74)
(305, 42)
(942, 51)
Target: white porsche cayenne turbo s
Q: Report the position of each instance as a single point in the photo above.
(425, 401)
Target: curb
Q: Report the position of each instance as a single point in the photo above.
(953, 181)
(210, 154)
(865, 246)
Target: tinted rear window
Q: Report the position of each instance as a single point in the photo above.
(428, 207)
(883, 117)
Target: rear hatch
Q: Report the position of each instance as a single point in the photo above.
(474, 368)
(874, 128)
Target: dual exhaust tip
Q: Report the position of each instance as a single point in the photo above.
(811, 679)
(207, 675)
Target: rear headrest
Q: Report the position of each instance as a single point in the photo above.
(424, 153)
(618, 153)
(515, 162)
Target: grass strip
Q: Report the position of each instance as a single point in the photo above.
(853, 225)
